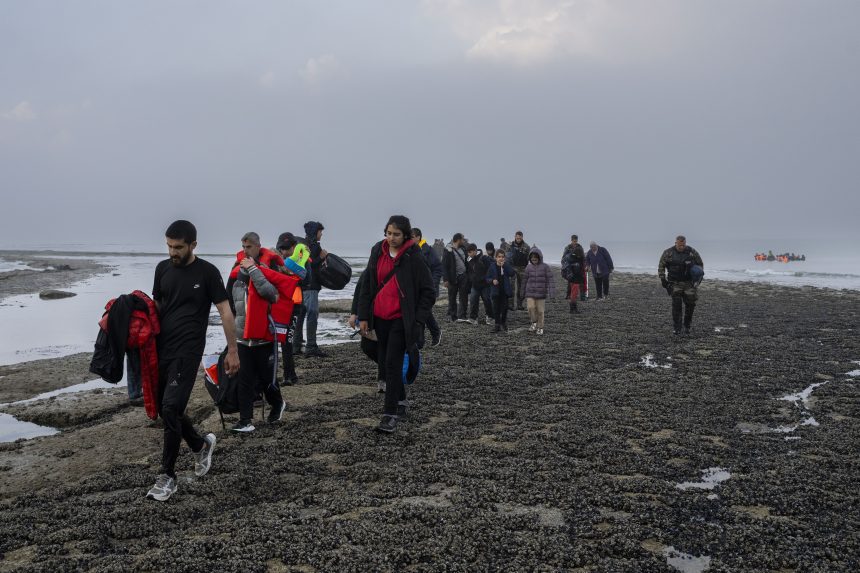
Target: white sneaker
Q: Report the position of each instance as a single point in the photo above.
(533, 327)
(462, 320)
(540, 331)
(203, 458)
(490, 321)
(164, 487)
(473, 321)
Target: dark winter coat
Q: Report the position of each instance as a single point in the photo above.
(504, 277)
(434, 263)
(519, 254)
(573, 255)
(538, 281)
(311, 281)
(599, 262)
(477, 270)
(415, 286)
(449, 262)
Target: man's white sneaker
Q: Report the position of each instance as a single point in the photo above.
(490, 321)
(540, 331)
(203, 458)
(164, 487)
(533, 327)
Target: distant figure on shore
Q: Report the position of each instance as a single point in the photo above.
(435, 265)
(681, 283)
(500, 276)
(598, 260)
(573, 270)
(439, 248)
(311, 287)
(184, 290)
(478, 265)
(455, 279)
(519, 259)
(395, 300)
(504, 245)
(537, 287)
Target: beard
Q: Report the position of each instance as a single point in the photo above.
(180, 261)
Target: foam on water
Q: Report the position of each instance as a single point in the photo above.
(711, 477)
(9, 266)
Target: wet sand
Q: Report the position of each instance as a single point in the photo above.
(561, 452)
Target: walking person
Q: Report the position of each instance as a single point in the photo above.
(537, 286)
(395, 301)
(262, 293)
(519, 259)
(573, 270)
(295, 257)
(600, 263)
(184, 290)
(499, 277)
(454, 276)
(478, 264)
(311, 287)
(435, 265)
(679, 262)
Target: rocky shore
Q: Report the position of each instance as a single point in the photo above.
(606, 445)
(48, 271)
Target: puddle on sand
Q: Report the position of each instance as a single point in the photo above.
(711, 478)
(11, 429)
(803, 395)
(648, 362)
(685, 562)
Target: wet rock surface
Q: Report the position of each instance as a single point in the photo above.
(52, 294)
(46, 274)
(561, 452)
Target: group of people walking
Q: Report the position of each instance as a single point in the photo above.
(270, 292)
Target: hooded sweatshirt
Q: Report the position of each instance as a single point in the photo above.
(538, 279)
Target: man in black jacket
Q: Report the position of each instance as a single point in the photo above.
(478, 265)
(310, 293)
(395, 300)
(519, 259)
(436, 273)
(455, 280)
(676, 262)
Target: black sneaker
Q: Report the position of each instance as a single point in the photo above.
(244, 426)
(686, 330)
(435, 338)
(403, 410)
(315, 353)
(388, 424)
(276, 413)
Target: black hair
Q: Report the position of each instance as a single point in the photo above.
(287, 241)
(457, 237)
(489, 246)
(400, 222)
(574, 238)
(417, 231)
(182, 230)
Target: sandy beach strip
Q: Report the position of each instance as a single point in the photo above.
(605, 445)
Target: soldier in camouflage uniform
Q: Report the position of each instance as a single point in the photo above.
(676, 262)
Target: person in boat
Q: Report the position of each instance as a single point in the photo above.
(674, 272)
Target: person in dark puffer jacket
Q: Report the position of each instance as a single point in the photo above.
(537, 287)
(310, 293)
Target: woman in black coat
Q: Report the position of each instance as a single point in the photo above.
(395, 301)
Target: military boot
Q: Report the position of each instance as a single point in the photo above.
(688, 317)
(676, 314)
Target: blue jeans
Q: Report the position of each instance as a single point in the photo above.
(484, 295)
(135, 389)
(311, 312)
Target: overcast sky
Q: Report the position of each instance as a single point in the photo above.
(619, 120)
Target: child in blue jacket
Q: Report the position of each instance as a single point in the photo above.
(499, 278)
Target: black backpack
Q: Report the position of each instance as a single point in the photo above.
(334, 272)
(224, 389)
